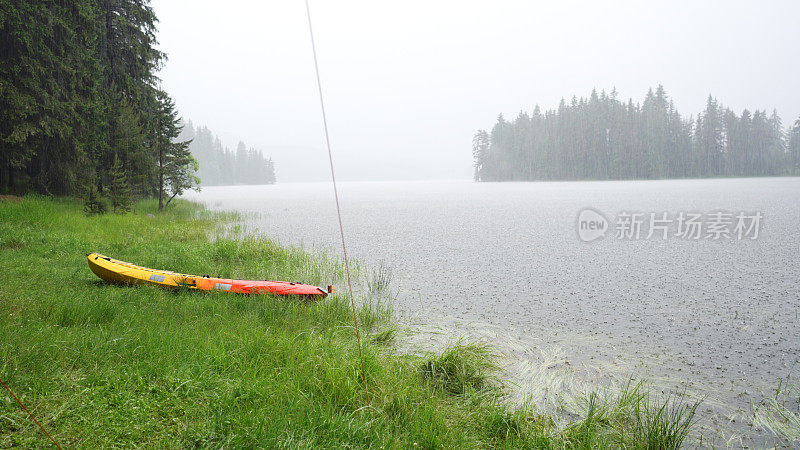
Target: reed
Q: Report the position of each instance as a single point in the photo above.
(780, 413)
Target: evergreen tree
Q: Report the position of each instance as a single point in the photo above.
(176, 166)
(777, 162)
(119, 191)
(46, 93)
(241, 163)
(92, 200)
(77, 90)
(794, 148)
(480, 147)
(269, 172)
(129, 138)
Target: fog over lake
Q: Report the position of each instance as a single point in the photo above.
(503, 262)
(418, 78)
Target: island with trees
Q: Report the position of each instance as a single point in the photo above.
(604, 138)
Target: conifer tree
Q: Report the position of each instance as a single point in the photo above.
(794, 148)
(270, 172)
(480, 146)
(77, 89)
(92, 200)
(176, 166)
(119, 191)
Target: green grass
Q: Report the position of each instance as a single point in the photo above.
(632, 419)
(461, 370)
(110, 366)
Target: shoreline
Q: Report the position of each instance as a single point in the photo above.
(133, 353)
(701, 315)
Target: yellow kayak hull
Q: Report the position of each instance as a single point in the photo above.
(121, 272)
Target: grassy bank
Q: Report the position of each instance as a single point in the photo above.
(104, 365)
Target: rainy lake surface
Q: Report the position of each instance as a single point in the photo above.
(502, 262)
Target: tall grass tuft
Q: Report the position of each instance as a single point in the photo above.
(665, 425)
(380, 279)
(780, 413)
(633, 419)
(385, 337)
(461, 369)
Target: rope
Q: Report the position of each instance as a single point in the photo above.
(29, 413)
(336, 194)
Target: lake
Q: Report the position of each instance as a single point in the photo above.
(715, 319)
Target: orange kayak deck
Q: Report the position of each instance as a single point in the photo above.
(121, 272)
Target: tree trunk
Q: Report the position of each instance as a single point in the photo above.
(160, 180)
(4, 169)
(10, 178)
(170, 199)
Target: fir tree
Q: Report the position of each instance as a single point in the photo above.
(77, 89)
(119, 191)
(176, 166)
(794, 148)
(93, 202)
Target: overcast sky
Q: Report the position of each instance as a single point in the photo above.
(407, 83)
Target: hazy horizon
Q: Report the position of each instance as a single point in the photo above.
(408, 84)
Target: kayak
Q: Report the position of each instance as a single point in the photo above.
(121, 272)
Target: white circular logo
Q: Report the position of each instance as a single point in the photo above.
(591, 225)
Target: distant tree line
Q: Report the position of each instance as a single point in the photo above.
(601, 137)
(81, 110)
(220, 166)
